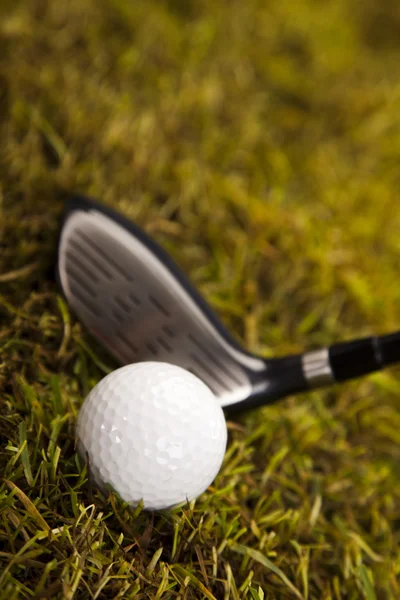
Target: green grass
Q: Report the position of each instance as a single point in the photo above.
(259, 142)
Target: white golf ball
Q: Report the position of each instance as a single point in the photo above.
(152, 431)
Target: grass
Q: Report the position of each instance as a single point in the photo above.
(259, 143)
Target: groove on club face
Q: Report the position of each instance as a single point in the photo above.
(129, 298)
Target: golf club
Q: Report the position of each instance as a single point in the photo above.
(133, 298)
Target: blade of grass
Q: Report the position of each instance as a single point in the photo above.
(186, 575)
(29, 506)
(263, 560)
(25, 453)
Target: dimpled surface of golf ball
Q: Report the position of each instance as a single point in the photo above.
(152, 431)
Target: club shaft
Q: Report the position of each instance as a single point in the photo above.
(348, 360)
(320, 368)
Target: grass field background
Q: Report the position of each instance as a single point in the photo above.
(259, 142)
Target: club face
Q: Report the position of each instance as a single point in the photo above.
(132, 298)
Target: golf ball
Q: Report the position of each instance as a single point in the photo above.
(152, 431)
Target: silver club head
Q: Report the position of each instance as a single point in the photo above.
(130, 296)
